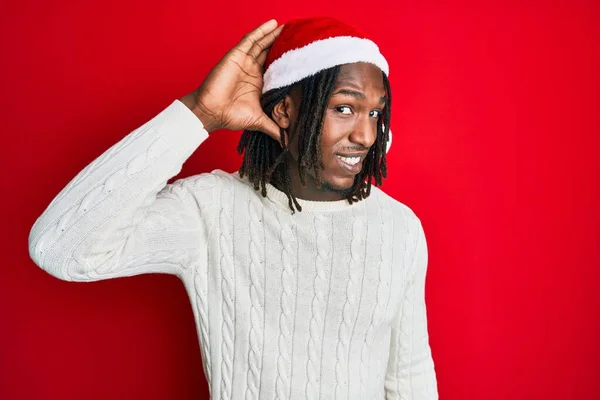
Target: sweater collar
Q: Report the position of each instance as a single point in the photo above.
(279, 197)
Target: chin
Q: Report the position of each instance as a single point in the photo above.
(340, 185)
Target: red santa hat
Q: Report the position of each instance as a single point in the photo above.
(307, 46)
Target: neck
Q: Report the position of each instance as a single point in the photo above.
(311, 191)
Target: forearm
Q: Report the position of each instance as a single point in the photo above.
(84, 228)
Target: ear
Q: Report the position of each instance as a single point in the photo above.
(284, 114)
(281, 113)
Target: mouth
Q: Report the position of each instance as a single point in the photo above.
(351, 163)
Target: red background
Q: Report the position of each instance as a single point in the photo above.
(496, 142)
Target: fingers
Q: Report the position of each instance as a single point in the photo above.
(259, 48)
(268, 126)
(257, 34)
(262, 57)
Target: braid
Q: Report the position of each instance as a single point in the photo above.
(264, 161)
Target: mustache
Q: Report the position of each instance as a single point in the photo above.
(353, 148)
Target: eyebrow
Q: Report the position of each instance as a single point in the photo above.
(357, 95)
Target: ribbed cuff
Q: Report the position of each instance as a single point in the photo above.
(181, 127)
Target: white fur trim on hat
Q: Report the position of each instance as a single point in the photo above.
(297, 64)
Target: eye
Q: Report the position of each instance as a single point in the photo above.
(376, 113)
(342, 108)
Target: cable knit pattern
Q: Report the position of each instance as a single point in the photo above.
(256, 335)
(353, 294)
(318, 306)
(76, 224)
(204, 184)
(387, 233)
(327, 303)
(383, 292)
(227, 293)
(202, 297)
(286, 318)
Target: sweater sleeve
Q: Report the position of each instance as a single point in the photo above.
(118, 217)
(410, 372)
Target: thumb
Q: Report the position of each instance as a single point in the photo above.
(268, 126)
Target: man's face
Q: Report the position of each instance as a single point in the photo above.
(349, 126)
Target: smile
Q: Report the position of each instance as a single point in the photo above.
(350, 164)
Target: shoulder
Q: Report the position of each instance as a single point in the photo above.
(405, 216)
(201, 187)
(214, 180)
(206, 180)
(398, 209)
(208, 186)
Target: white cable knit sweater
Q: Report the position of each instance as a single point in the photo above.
(327, 303)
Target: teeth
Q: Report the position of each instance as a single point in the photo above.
(350, 160)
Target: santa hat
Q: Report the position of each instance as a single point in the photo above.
(307, 46)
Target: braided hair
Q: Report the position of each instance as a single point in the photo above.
(265, 161)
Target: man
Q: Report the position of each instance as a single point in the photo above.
(305, 281)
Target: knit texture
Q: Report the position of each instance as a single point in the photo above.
(327, 303)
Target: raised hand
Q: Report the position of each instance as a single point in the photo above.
(229, 97)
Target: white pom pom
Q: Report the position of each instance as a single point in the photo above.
(389, 143)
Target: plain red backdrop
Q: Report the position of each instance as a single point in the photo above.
(496, 142)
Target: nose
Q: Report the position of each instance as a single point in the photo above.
(364, 132)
